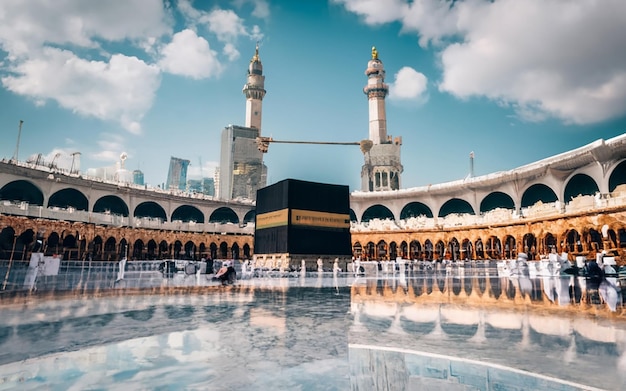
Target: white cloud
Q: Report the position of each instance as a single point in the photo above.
(409, 84)
(190, 55)
(110, 147)
(261, 7)
(121, 89)
(26, 25)
(256, 34)
(231, 52)
(376, 12)
(571, 64)
(543, 58)
(226, 25)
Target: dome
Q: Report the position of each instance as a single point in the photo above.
(255, 67)
(374, 67)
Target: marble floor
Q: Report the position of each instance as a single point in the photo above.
(311, 332)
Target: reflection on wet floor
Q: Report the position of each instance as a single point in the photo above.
(435, 330)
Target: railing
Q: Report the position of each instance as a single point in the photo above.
(88, 276)
(112, 181)
(500, 215)
(111, 219)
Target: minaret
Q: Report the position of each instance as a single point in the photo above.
(376, 91)
(382, 167)
(254, 91)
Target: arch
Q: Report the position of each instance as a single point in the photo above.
(246, 250)
(353, 216)
(428, 250)
(549, 243)
(187, 213)
(538, 192)
(213, 250)
(190, 250)
(376, 212)
(510, 249)
(69, 198)
(580, 184)
(110, 246)
(357, 250)
(455, 205)
(415, 209)
(27, 238)
(618, 176)
(152, 249)
(404, 249)
(8, 240)
(164, 249)
(98, 247)
(177, 248)
(223, 250)
(440, 250)
(621, 237)
(529, 243)
(69, 240)
(467, 250)
(613, 239)
(381, 250)
(202, 250)
(224, 215)
(415, 249)
(111, 204)
(23, 191)
(234, 249)
(573, 242)
(249, 217)
(480, 249)
(595, 240)
(150, 209)
(393, 250)
(496, 199)
(137, 249)
(493, 247)
(454, 249)
(370, 251)
(123, 248)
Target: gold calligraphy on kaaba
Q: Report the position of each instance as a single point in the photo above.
(320, 219)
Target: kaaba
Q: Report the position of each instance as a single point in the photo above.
(303, 218)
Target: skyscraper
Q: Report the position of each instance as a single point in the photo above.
(138, 177)
(242, 171)
(177, 174)
(382, 168)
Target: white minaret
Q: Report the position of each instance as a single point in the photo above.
(382, 166)
(376, 91)
(254, 91)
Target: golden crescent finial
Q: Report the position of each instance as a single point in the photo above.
(374, 53)
(256, 53)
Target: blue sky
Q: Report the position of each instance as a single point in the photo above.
(513, 81)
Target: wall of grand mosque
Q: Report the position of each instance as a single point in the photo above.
(489, 217)
(573, 202)
(80, 218)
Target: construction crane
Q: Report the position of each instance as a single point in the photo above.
(263, 143)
